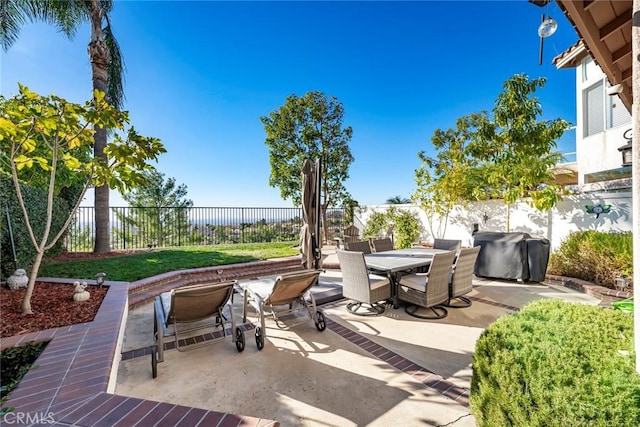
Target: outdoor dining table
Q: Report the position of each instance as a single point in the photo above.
(398, 260)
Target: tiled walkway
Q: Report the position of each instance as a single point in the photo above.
(75, 377)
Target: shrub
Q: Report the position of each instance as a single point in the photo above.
(377, 225)
(15, 362)
(407, 229)
(556, 364)
(36, 203)
(402, 224)
(594, 256)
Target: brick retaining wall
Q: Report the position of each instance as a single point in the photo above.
(606, 295)
(145, 290)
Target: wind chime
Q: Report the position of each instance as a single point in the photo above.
(547, 27)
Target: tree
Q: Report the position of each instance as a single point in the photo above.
(398, 200)
(446, 180)
(515, 150)
(160, 210)
(309, 127)
(50, 135)
(107, 67)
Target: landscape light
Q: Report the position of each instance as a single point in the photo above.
(100, 278)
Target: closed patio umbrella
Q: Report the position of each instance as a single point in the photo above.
(309, 246)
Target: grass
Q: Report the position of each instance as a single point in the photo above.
(129, 268)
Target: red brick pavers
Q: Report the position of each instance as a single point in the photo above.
(72, 381)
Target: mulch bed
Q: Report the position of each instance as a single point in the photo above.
(53, 307)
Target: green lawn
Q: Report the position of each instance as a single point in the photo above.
(134, 267)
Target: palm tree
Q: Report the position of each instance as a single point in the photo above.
(398, 200)
(107, 67)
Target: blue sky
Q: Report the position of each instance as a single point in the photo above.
(200, 74)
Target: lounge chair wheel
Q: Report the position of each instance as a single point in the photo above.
(321, 325)
(239, 340)
(154, 362)
(259, 338)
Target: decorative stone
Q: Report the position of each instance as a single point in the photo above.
(80, 292)
(18, 280)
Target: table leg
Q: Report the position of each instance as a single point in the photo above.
(393, 279)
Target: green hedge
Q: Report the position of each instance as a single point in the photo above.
(556, 364)
(16, 362)
(36, 202)
(594, 256)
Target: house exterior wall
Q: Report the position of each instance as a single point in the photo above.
(597, 152)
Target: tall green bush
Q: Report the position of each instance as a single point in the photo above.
(594, 256)
(403, 225)
(36, 204)
(556, 364)
(377, 225)
(407, 229)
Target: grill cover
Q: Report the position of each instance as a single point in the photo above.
(538, 257)
(502, 255)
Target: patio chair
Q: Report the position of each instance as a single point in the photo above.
(381, 245)
(365, 289)
(286, 294)
(428, 290)
(183, 307)
(349, 234)
(461, 282)
(447, 244)
(359, 246)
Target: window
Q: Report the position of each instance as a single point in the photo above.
(593, 109)
(589, 69)
(594, 113)
(608, 175)
(617, 113)
(600, 111)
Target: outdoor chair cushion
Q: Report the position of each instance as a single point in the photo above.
(415, 281)
(377, 282)
(260, 287)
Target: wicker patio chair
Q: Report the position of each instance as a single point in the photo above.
(359, 246)
(447, 244)
(177, 311)
(381, 245)
(428, 290)
(286, 294)
(365, 289)
(462, 279)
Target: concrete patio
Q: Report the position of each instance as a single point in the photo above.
(388, 370)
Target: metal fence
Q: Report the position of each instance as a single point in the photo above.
(148, 227)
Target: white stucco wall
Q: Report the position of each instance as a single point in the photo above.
(569, 215)
(597, 152)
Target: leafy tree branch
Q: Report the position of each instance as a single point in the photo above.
(48, 140)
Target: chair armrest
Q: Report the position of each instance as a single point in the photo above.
(159, 314)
